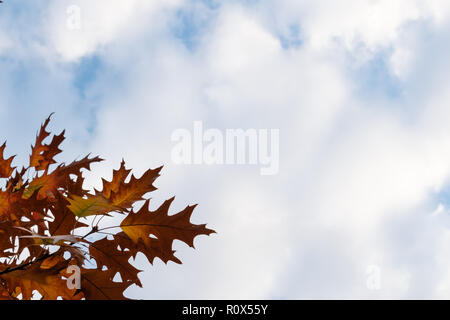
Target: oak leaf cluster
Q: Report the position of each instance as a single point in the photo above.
(49, 223)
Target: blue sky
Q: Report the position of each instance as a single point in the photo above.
(357, 89)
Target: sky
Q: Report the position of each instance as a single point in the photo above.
(360, 205)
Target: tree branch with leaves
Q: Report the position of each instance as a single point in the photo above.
(44, 208)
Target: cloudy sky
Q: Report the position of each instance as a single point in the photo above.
(357, 88)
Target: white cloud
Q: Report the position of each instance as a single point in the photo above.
(79, 28)
(358, 178)
(349, 167)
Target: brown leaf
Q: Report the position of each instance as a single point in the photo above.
(125, 194)
(106, 253)
(141, 225)
(42, 154)
(48, 281)
(97, 285)
(90, 205)
(153, 249)
(5, 164)
(64, 220)
(48, 184)
(119, 177)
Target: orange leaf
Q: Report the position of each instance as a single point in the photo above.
(106, 253)
(42, 154)
(97, 285)
(141, 225)
(91, 205)
(47, 281)
(124, 194)
(5, 164)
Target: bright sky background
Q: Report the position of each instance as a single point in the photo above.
(358, 89)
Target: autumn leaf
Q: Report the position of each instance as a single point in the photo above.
(64, 220)
(47, 184)
(124, 194)
(42, 154)
(98, 285)
(46, 280)
(119, 177)
(5, 164)
(140, 226)
(107, 254)
(153, 248)
(91, 205)
(9, 203)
